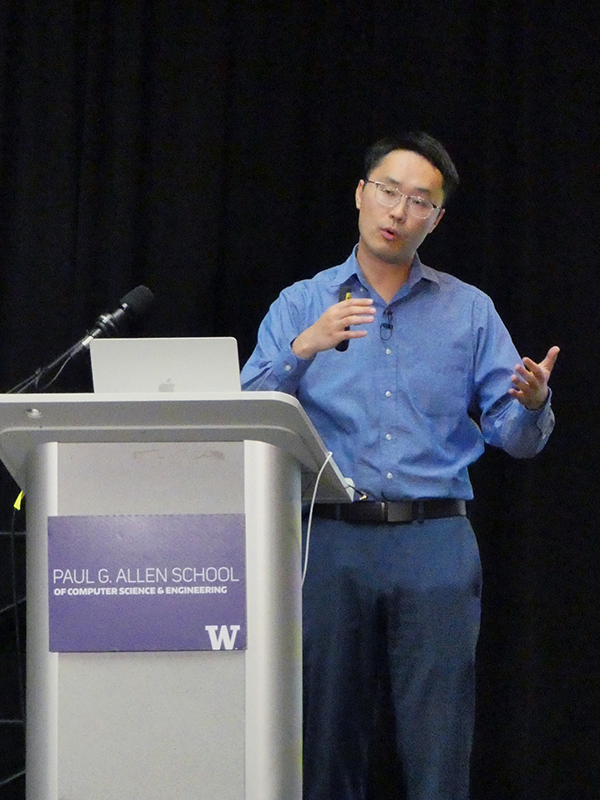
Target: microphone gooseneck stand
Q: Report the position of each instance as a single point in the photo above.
(134, 304)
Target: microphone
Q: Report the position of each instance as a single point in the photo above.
(387, 328)
(345, 293)
(134, 304)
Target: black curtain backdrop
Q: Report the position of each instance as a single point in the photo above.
(210, 150)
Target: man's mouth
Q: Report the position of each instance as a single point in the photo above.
(389, 233)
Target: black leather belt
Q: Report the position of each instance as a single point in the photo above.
(397, 511)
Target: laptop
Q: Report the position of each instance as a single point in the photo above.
(198, 364)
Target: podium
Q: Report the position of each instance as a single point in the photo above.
(163, 591)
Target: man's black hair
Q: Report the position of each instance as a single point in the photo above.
(423, 144)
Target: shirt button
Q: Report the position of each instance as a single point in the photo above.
(389, 476)
(388, 394)
(287, 368)
(388, 436)
(388, 352)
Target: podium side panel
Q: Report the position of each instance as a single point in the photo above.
(274, 656)
(42, 666)
(137, 724)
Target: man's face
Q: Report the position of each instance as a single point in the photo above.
(392, 235)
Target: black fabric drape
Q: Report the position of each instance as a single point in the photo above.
(211, 151)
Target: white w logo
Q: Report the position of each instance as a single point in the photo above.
(224, 637)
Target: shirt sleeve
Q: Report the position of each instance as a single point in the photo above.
(504, 422)
(273, 366)
(516, 429)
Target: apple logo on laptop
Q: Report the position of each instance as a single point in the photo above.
(168, 386)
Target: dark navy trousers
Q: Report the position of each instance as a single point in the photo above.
(409, 594)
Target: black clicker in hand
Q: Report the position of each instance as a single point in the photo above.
(345, 294)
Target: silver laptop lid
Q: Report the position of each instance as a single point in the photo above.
(165, 365)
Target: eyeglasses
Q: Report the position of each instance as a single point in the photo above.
(390, 196)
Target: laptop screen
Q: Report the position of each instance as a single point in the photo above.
(198, 364)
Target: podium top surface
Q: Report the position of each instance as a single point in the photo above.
(27, 421)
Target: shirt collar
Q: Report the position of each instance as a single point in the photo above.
(347, 272)
(350, 271)
(419, 272)
(427, 273)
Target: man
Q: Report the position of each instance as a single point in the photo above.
(429, 375)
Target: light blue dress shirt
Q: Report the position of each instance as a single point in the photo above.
(399, 414)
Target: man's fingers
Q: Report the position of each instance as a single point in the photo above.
(530, 381)
(356, 312)
(348, 307)
(551, 356)
(545, 367)
(357, 303)
(357, 319)
(528, 374)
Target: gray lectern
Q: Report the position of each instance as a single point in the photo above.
(163, 717)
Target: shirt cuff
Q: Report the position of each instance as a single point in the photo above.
(543, 416)
(288, 367)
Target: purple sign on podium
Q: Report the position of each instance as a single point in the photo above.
(132, 583)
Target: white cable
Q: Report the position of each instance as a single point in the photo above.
(310, 515)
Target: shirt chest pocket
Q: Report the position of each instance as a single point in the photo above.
(435, 379)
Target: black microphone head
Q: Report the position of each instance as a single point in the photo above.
(138, 300)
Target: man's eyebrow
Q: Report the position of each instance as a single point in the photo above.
(394, 182)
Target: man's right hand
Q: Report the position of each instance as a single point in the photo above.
(330, 329)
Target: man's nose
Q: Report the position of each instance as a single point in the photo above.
(400, 210)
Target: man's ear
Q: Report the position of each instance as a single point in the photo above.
(358, 194)
(441, 213)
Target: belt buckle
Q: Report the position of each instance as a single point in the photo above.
(399, 512)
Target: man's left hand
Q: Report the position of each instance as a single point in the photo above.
(531, 380)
